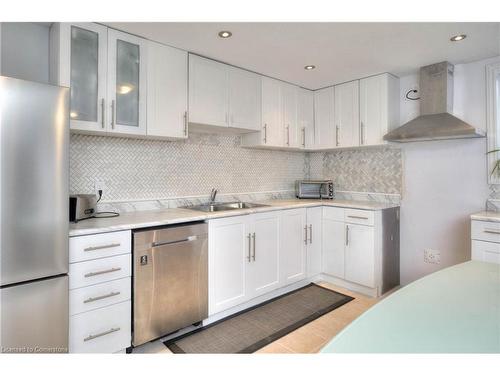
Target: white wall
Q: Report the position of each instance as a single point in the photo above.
(444, 181)
(25, 51)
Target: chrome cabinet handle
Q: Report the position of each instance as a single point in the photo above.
(185, 123)
(357, 217)
(362, 133)
(491, 231)
(249, 247)
(103, 113)
(288, 135)
(310, 233)
(93, 299)
(337, 135)
(253, 256)
(265, 133)
(91, 274)
(113, 114)
(347, 235)
(304, 137)
(305, 232)
(91, 337)
(93, 248)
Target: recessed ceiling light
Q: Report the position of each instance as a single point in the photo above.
(458, 38)
(225, 34)
(309, 67)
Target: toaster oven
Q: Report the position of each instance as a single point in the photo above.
(314, 189)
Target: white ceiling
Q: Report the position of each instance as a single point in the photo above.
(340, 51)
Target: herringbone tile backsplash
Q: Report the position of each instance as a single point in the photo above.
(375, 170)
(135, 169)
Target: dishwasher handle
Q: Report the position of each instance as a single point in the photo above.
(163, 243)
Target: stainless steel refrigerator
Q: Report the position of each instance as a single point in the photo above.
(34, 157)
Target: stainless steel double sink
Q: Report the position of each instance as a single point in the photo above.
(227, 206)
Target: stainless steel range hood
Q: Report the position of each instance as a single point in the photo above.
(436, 104)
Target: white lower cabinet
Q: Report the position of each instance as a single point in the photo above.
(106, 330)
(251, 255)
(243, 258)
(100, 293)
(228, 250)
(485, 241)
(355, 242)
(314, 239)
(263, 259)
(293, 245)
(333, 247)
(359, 259)
(485, 251)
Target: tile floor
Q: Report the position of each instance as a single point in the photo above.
(309, 338)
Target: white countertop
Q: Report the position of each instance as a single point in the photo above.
(486, 216)
(144, 219)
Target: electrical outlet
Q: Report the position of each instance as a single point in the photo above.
(99, 185)
(432, 256)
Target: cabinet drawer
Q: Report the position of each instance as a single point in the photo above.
(98, 271)
(105, 330)
(485, 231)
(99, 246)
(359, 216)
(333, 213)
(100, 295)
(485, 251)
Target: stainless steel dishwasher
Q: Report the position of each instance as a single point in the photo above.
(170, 273)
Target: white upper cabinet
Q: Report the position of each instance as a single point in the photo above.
(127, 89)
(305, 117)
(79, 58)
(271, 132)
(208, 92)
(244, 99)
(289, 114)
(379, 107)
(223, 96)
(271, 112)
(324, 126)
(106, 72)
(167, 98)
(287, 117)
(347, 114)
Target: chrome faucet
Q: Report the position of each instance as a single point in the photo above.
(213, 194)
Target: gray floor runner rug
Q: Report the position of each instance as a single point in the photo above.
(256, 327)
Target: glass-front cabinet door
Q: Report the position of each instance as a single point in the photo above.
(83, 65)
(126, 83)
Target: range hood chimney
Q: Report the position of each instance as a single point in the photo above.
(436, 104)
